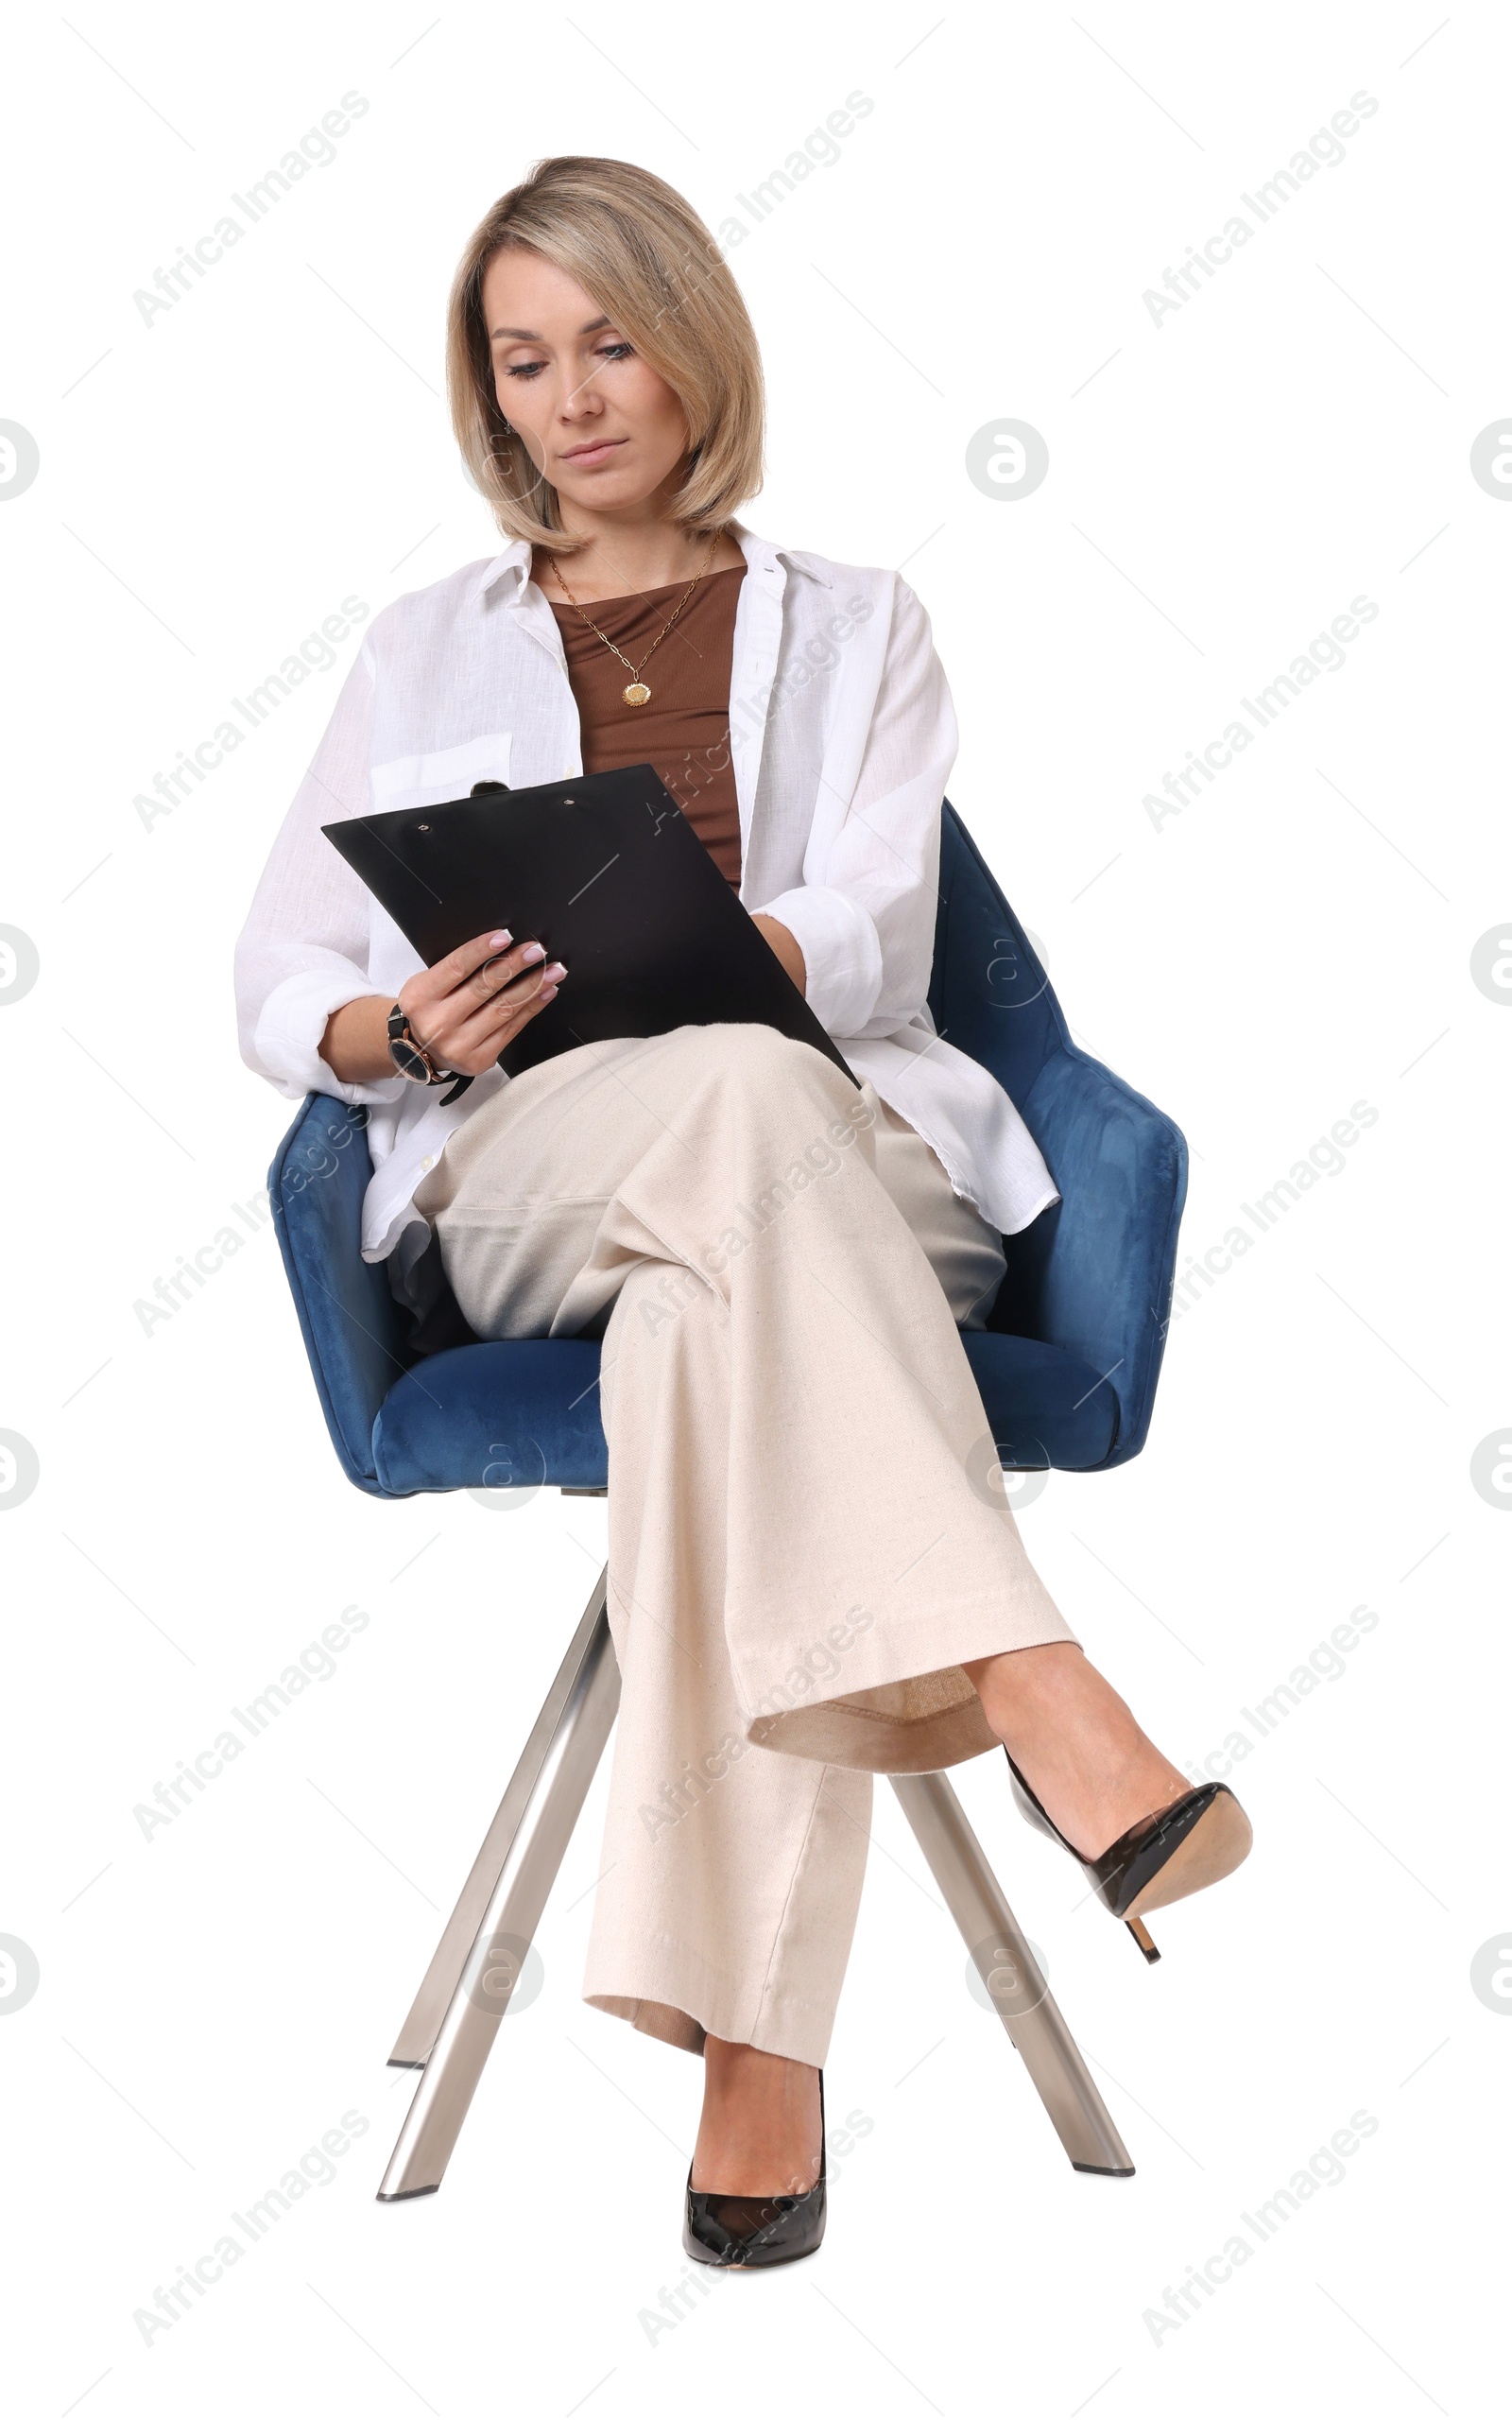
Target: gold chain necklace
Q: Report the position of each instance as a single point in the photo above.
(636, 694)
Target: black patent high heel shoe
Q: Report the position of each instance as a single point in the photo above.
(1195, 1841)
(724, 2231)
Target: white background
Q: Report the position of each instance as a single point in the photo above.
(1220, 485)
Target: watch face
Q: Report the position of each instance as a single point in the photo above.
(410, 1061)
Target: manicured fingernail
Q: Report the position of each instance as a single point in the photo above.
(554, 973)
(501, 938)
(533, 953)
(546, 994)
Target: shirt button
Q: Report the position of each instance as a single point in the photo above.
(426, 1165)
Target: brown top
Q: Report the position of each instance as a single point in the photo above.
(683, 731)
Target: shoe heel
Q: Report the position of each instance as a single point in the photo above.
(1142, 1939)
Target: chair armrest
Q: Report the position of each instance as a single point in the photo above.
(352, 1329)
(1094, 1273)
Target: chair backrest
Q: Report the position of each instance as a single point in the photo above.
(1094, 1272)
(988, 991)
(354, 1330)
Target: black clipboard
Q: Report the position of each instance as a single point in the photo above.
(611, 879)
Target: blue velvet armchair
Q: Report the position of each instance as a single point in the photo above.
(1068, 1361)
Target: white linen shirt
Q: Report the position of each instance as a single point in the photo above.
(842, 735)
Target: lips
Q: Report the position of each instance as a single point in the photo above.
(591, 448)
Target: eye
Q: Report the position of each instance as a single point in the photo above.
(524, 372)
(616, 350)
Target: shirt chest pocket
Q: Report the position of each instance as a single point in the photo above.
(441, 777)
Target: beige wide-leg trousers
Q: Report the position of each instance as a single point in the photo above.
(807, 1536)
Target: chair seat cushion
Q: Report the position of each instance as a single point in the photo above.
(1045, 1406)
(525, 1414)
(518, 1414)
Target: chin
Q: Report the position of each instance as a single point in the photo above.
(606, 490)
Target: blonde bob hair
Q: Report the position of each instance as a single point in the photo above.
(646, 258)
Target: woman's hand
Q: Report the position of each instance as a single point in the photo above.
(463, 1011)
(783, 945)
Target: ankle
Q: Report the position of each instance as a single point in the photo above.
(1051, 1684)
(1075, 1742)
(761, 2125)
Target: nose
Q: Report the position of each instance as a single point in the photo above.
(578, 398)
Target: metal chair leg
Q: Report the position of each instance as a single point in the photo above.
(1013, 1978)
(452, 2024)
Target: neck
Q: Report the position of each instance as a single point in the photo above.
(617, 557)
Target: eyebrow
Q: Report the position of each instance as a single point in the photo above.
(601, 324)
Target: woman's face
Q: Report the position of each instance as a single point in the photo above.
(604, 429)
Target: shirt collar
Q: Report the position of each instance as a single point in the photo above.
(761, 558)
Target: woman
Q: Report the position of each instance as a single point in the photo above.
(804, 1586)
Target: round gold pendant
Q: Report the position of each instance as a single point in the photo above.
(636, 695)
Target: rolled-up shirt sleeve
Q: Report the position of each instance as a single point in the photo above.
(304, 949)
(864, 917)
(842, 954)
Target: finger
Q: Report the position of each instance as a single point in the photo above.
(435, 1016)
(498, 1041)
(506, 1007)
(452, 971)
(499, 972)
(479, 987)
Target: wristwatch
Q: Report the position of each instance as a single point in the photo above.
(410, 1057)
